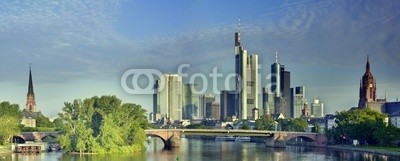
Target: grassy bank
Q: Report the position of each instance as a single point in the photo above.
(391, 151)
(5, 150)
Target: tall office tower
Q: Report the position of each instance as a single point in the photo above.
(268, 100)
(190, 102)
(246, 68)
(367, 88)
(169, 98)
(205, 100)
(317, 108)
(280, 82)
(227, 103)
(298, 99)
(215, 111)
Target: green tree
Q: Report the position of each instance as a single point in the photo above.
(43, 121)
(103, 125)
(387, 135)
(10, 121)
(9, 127)
(358, 124)
(7, 109)
(265, 123)
(297, 124)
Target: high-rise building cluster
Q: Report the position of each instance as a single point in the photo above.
(177, 101)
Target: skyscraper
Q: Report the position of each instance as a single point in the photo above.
(298, 100)
(367, 87)
(169, 98)
(268, 100)
(280, 82)
(317, 108)
(227, 103)
(246, 68)
(190, 102)
(206, 101)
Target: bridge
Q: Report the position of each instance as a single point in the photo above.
(34, 136)
(171, 137)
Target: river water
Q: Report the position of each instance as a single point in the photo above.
(210, 150)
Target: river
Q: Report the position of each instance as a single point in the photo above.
(210, 150)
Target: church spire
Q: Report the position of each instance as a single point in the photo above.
(367, 68)
(30, 86)
(30, 98)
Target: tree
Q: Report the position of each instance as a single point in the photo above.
(43, 121)
(265, 123)
(9, 127)
(358, 124)
(387, 135)
(297, 124)
(7, 109)
(103, 125)
(10, 121)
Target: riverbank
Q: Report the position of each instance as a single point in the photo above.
(5, 150)
(367, 149)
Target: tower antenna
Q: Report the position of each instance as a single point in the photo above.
(239, 25)
(276, 56)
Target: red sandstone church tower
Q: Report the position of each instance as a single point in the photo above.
(367, 88)
(30, 97)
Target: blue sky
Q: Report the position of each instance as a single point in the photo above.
(79, 49)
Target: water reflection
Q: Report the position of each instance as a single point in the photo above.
(210, 150)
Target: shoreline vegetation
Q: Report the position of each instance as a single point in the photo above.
(369, 149)
(5, 150)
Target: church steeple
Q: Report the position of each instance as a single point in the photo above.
(367, 68)
(367, 87)
(30, 97)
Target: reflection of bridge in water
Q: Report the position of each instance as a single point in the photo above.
(171, 137)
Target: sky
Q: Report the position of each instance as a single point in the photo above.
(79, 49)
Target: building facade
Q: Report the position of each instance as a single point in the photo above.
(169, 98)
(205, 102)
(268, 101)
(298, 99)
(280, 82)
(317, 108)
(227, 103)
(246, 68)
(190, 102)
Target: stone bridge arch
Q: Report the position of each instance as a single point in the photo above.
(318, 139)
(171, 138)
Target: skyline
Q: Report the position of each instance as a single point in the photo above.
(80, 49)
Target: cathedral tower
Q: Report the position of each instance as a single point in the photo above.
(367, 87)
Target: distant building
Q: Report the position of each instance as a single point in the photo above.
(306, 112)
(391, 107)
(190, 102)
(205, 102)
(215, 111)
(255, 114)
(29, 114)
(247, 85)
(268, 101)
(330, 121)
(281, 87)
(395, 119)
(298, 100)
(168, 101)
(227, 103)
(317, 108)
